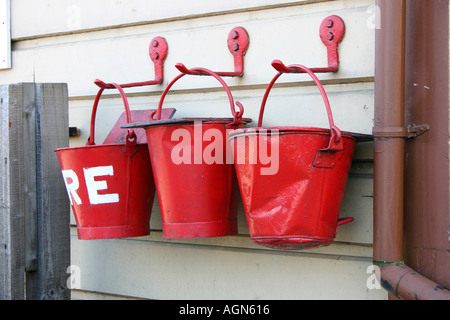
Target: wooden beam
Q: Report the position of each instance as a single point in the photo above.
(12, 250)
(34, 212)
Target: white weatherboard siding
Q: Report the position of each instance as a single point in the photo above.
(77, 42)
(5, 35)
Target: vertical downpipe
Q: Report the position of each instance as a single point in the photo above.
(389, 124)
(389, 135)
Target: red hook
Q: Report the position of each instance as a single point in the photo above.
(238, 45)
(158, 53)
(332, 31)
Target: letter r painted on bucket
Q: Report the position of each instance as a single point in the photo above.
(93, 185)
(72, 185)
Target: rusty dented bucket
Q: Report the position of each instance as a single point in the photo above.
(293, 202)
(195, 182)
(110, 186)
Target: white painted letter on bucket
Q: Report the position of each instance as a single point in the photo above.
(72, 184)
(93, 186)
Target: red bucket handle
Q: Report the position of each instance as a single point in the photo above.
(335, 141)
(237, 116)
(131, 136)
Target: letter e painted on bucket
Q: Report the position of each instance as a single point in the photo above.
(93, 186)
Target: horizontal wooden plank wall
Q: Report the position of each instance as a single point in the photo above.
(110, 42)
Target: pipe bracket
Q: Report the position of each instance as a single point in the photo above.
(410, 132)
(414, 131)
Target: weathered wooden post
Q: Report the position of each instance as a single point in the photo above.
(34, 208)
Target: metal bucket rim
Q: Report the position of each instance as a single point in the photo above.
(182, 120)
(313, 130)
(96, 146)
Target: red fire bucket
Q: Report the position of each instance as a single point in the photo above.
(195, 182)
(110, 186)
(293, 202)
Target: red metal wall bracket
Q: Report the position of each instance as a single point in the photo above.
(238, 42)
(331, 32)
(158, 53)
